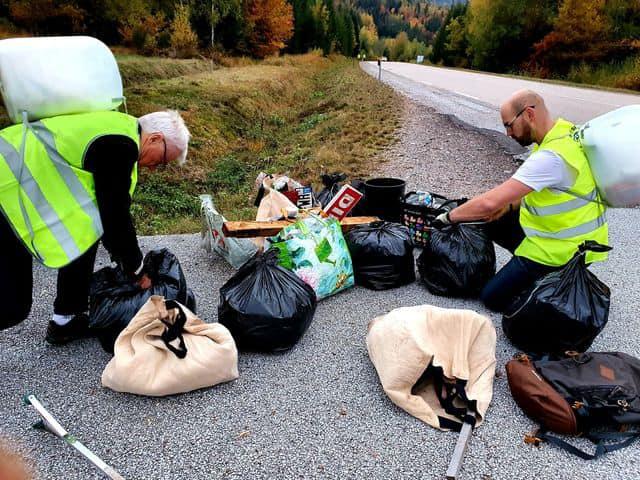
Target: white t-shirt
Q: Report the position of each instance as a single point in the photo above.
(545, 169)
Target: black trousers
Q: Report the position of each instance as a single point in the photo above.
(16, 280)
(519, 274)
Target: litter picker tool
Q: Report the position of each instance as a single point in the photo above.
(50, 424)
(461, 447)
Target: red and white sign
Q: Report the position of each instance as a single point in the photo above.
(343, 202)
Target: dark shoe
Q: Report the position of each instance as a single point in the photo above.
(77, 328)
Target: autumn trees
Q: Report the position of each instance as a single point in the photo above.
(543, 37)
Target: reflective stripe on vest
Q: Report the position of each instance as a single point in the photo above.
(563, 207)
(32, 190)
(70, 179)
(583, 229)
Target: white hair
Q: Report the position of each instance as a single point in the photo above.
(171, 125)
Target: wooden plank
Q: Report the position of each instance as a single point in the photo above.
(459, 451)
(267, 229)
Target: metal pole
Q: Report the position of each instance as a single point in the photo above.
(50, 424)
(459, 451)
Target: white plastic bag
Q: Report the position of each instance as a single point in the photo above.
(611, 142)
(50, 76)
(236, 251)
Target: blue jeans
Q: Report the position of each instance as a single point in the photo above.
(519, 274)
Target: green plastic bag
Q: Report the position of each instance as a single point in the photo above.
(315, 250)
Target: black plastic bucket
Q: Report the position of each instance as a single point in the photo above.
(384, 198)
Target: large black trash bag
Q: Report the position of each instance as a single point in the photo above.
(458, 261)
(265, 306)
(382, 255)
(565, 310)
(332, 185)
(115, 298)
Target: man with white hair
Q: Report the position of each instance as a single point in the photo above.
(546, 210)
(65, 185)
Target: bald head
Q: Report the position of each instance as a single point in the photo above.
(525, 117)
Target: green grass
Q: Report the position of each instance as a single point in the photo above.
(300, 115)
(624, 75)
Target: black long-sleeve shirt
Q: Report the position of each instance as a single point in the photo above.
(111, 159)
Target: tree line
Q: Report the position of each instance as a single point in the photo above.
(397, 29)
(541, 37)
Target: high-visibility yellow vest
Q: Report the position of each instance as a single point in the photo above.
(556, 223)
(45, 193)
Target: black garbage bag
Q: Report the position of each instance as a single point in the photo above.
(332, 185)
(382, 255)
(265, 306)
(114, 298)
(565, 310)
(458, 260)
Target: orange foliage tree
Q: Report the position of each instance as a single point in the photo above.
(582, 32)
(269, 26)
(47, 16)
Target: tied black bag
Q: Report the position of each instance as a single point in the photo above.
(458, 260)
(114, 298)
(565, 310)
(382, 255)
(265, 306)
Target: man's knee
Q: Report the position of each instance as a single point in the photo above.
(491, 298)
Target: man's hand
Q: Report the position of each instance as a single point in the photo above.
(144, 282)
(441, 221)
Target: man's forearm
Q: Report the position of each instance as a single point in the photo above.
(478, 208)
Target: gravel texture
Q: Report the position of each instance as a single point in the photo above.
(317, 411)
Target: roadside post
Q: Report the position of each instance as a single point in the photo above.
(379, 69)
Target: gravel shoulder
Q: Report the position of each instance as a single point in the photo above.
(317, 411)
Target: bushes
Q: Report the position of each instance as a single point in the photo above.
(184, 42)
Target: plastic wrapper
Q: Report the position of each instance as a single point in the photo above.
(265, 306)
(382, 255)
(50, 76)
(458, 260)
(236, 251)
(314, 248)
(564, 310)
(611, 143)
(114, 298)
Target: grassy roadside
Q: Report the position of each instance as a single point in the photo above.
(301, 115)
(296, 114)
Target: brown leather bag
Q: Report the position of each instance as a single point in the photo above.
(538, 399)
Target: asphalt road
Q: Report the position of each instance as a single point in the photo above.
(317, 411)
(476, 89)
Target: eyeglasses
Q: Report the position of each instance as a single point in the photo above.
(508, 125)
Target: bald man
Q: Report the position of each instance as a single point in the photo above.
(545, 210)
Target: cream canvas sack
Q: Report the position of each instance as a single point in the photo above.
(435, 363)
(166, 349)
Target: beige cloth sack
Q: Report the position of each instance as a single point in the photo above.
(403, 343)
(166, 349)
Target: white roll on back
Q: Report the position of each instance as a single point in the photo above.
(612, 145)
(49, 76)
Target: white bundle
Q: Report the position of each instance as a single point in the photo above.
(49, 76)
(612, 145)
